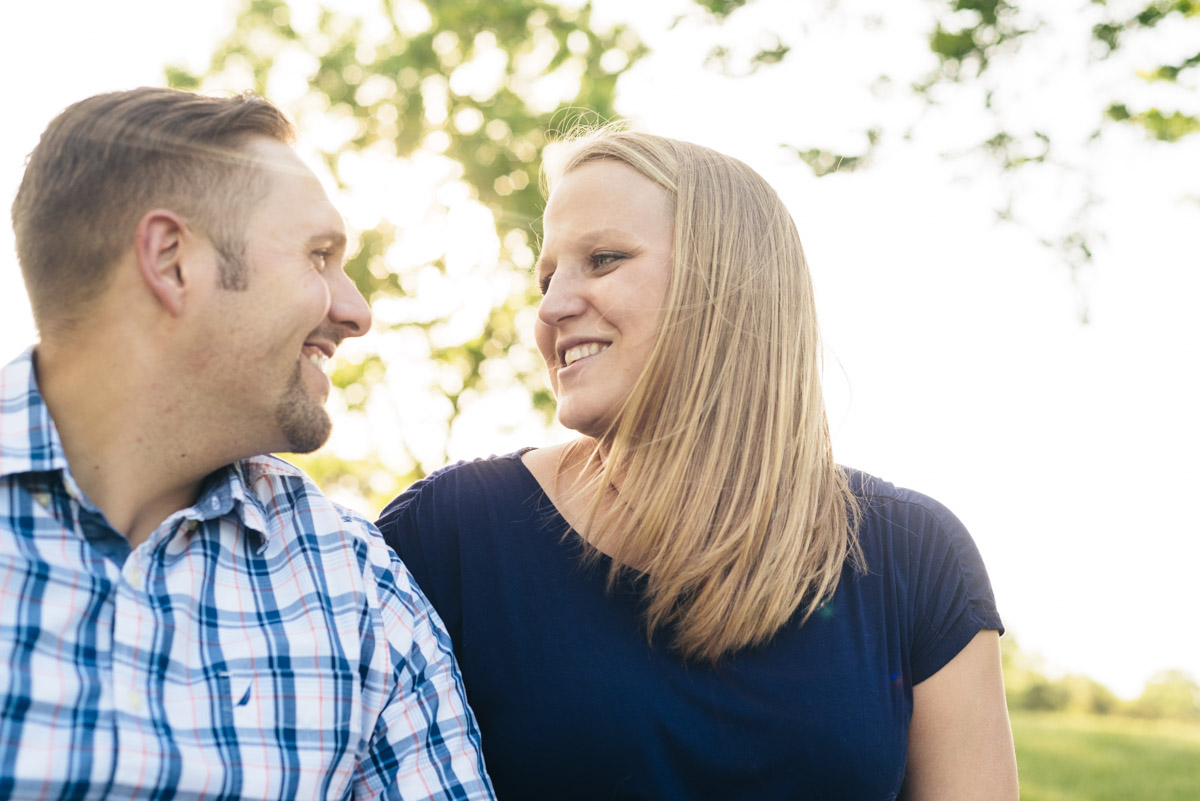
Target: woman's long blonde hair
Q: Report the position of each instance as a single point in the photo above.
(729, 498)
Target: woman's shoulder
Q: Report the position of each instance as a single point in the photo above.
(448, 484)
(912, 530)
(488, 468)
(893, 511)
(872, 490)
(456, 510)
(917, 542)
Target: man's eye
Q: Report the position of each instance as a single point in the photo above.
(321, 258)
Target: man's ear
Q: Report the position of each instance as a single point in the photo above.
(159, 244)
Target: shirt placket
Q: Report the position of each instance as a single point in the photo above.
(139, 745)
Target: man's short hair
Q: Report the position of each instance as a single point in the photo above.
(107, 160)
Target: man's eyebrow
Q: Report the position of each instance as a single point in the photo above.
(332, 239)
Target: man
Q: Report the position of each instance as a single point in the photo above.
(179, 617)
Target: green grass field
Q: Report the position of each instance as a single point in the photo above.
(1079, 758)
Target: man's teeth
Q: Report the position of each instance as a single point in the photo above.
(579, 351)
(319, 359)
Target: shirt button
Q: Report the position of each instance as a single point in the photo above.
(135, 701)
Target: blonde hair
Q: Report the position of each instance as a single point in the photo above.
(729, 498)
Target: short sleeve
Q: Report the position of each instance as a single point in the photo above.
(949, 590)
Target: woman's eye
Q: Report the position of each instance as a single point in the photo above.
(544, 283)
(607, 259)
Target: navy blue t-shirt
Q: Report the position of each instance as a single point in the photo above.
(574, 703)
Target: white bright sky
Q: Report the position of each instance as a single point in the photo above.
(956, 363)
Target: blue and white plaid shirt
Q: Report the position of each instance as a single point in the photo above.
(264, 643)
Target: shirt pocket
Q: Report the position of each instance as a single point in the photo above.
(281, 702)
(292, 726)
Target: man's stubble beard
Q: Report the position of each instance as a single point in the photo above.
(302, 421)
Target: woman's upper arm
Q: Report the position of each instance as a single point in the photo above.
(959, 741)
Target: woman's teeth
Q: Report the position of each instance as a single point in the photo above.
(580, 351)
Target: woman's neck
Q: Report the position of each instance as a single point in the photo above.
(571, 475)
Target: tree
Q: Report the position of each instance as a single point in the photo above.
(459, 95)
(1027, 687)
(1169, 694)
(993, 61)
(454, 98)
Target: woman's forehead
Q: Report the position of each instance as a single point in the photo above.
(606, 191)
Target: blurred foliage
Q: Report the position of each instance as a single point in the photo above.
(458, 83)
(470, 91)
(1171, 694)
(968, 34)
(976, 45)
(724, 61)
(967, 37)
(1163, 127)
(721, 8)
(1166, 126)
(825, 162)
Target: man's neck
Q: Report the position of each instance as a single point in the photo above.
(132, 457)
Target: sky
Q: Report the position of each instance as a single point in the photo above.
(956, 360)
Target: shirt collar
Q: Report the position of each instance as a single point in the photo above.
(227, 492)
(28, 439)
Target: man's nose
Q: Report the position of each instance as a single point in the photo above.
(348, 309)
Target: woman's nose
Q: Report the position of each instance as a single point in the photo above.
(564, 298)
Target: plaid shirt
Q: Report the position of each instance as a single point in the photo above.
(263, 643)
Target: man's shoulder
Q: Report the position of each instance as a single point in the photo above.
(283, 489)
(272, 468)
(301, 519)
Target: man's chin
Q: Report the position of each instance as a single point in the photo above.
(303, 422)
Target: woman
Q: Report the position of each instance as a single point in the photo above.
(692, 600)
